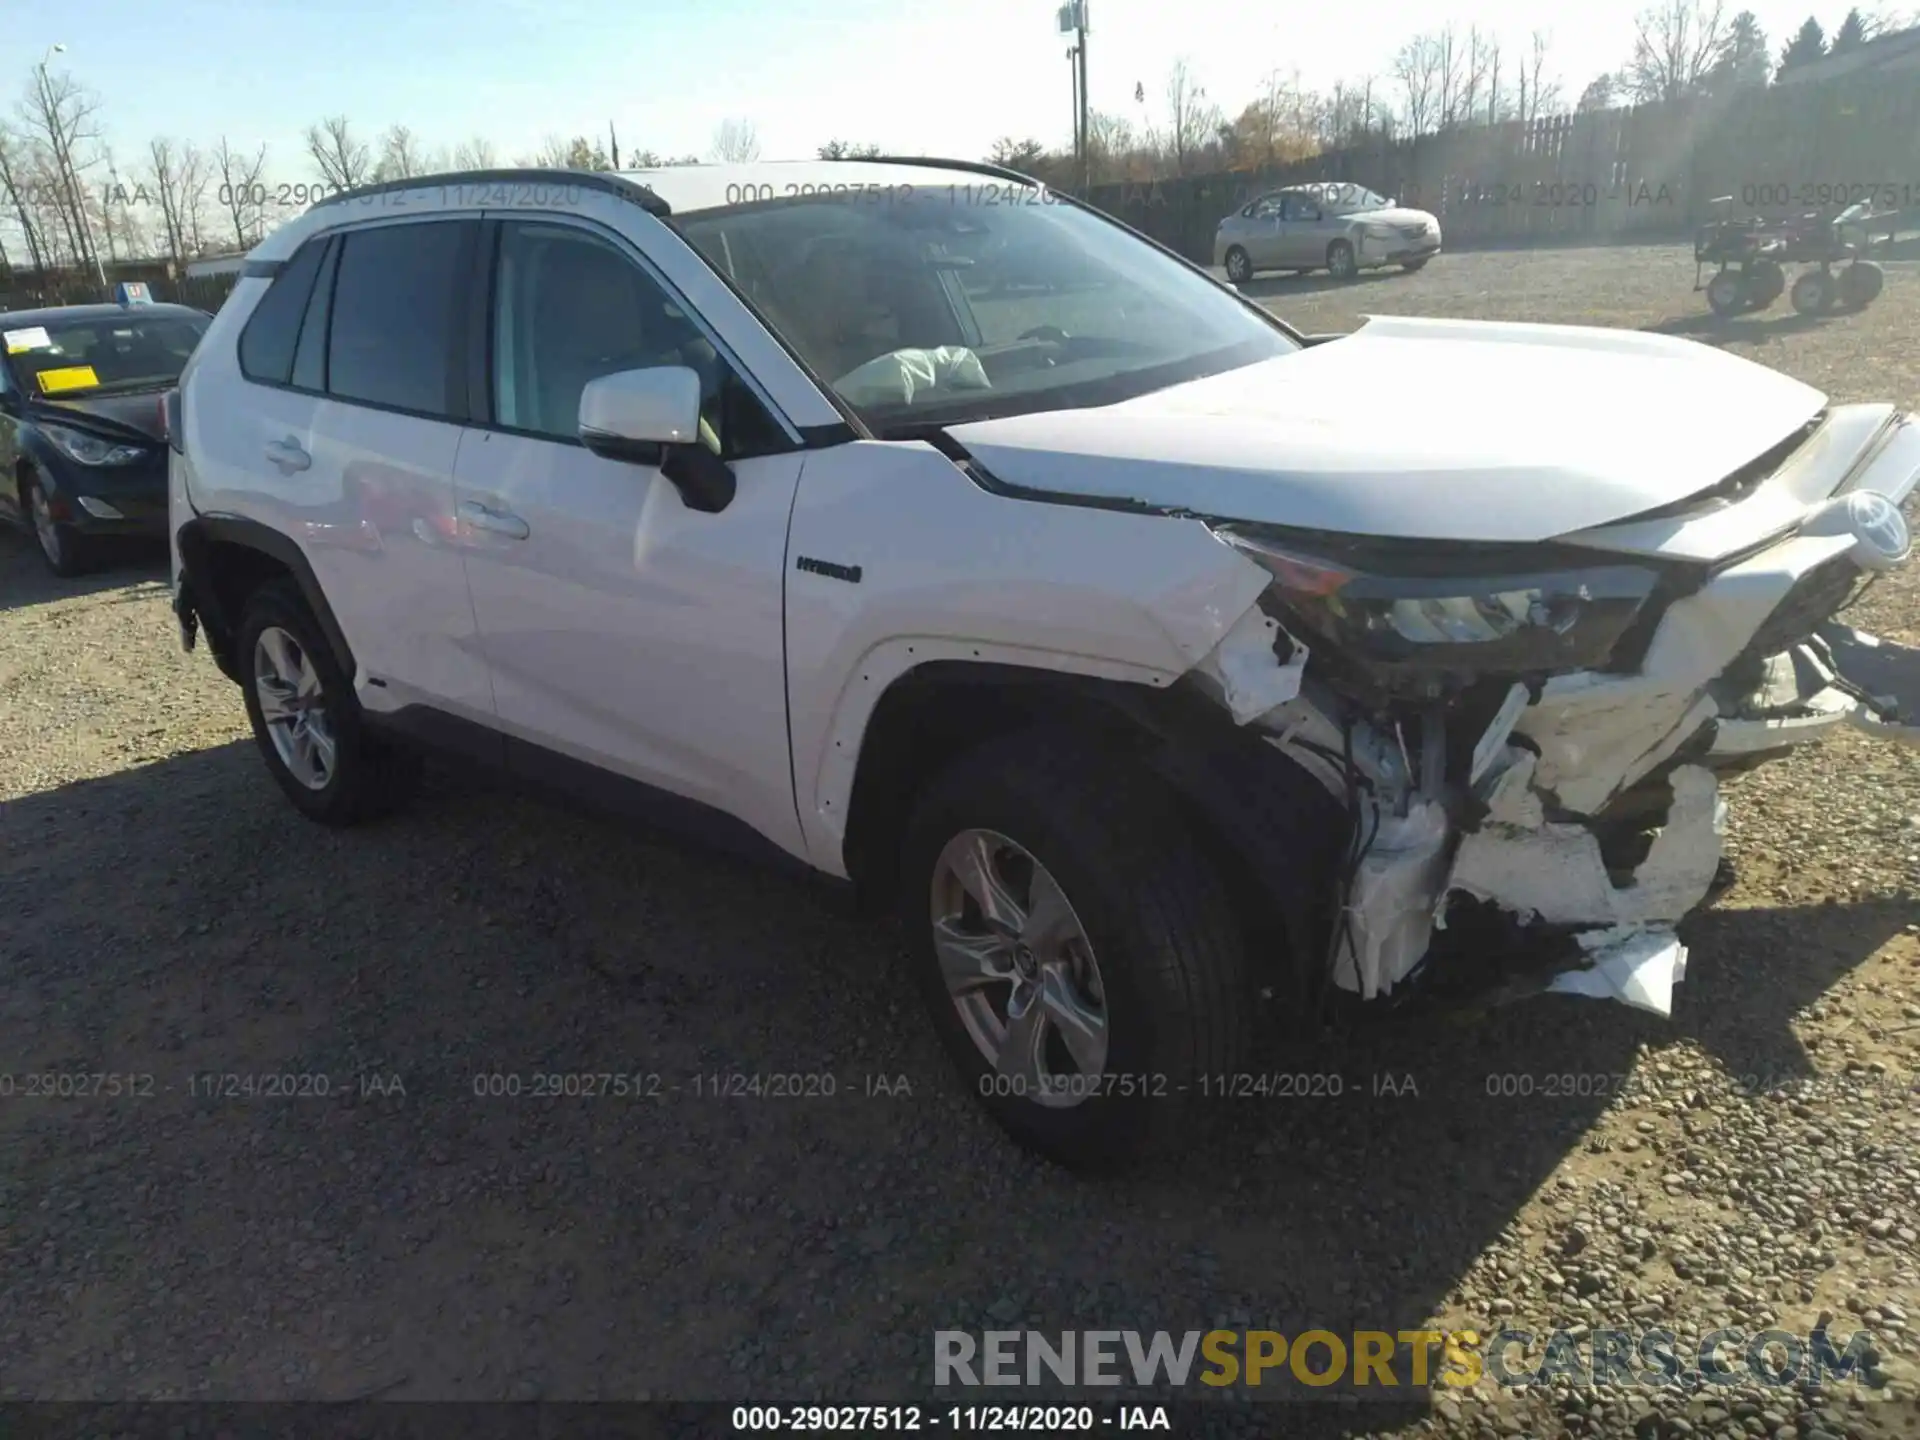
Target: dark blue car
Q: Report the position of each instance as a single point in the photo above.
(83, 452)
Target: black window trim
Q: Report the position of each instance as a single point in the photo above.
(321, 242)
(462, 319)
(331, 246)
(480, 314)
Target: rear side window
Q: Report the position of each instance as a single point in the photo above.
(273, 330)
(396, 314)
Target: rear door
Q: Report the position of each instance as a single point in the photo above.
(334, 422)
(375, 481)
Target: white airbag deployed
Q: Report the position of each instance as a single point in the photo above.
(898, 376)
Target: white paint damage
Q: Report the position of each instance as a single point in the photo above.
(1595, 735)
(1638, 967)
(1245, 669)
(1553, 871)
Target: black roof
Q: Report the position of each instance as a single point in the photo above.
(610, 181)
(54, 314)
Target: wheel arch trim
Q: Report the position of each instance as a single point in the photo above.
(196, 539)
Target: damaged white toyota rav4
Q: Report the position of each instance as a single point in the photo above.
(1162, 666)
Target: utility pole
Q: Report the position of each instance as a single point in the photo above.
(1086, 136)
(1073, 21)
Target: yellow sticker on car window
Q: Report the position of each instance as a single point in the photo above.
(67, 377)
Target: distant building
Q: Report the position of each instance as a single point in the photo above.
(208, 265)
(1897, 52)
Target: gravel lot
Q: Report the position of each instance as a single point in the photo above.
(1754, 1161)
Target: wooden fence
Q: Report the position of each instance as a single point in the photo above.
(1645, 173)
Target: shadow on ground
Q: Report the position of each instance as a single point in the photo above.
(26, 580)
(460, 1240)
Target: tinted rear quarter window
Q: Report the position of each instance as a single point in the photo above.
(395, 313)
(273, 330)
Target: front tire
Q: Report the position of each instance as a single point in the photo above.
(1861, 284)
(306, 718)
(1341, 261)
(66, 551)
(1727, 293)
(1080, 960)
(1239, 265)
(1414, 267)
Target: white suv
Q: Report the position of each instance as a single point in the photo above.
(1163, 666)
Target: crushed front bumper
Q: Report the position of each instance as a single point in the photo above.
(1590, 807)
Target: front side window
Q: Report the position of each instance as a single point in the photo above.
(936, 307)
(395, 313)
(1300, 206)
(570, 307)
(114, 354)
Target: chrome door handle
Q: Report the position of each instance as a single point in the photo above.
(495, 522)
(288, 455)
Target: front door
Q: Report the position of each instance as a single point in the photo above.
(620, 627)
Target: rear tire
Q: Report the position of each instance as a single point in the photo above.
(1813, 293)
(1769, 283)
(1166, 972)
(306, 718)
(1341, 261)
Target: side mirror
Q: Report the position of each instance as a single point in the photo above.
(652, 417)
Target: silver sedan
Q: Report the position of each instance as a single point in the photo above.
(1336, 227)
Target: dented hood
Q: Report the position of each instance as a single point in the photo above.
(1420, 429)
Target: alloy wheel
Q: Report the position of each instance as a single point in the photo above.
(293, 708)
(1019, 968)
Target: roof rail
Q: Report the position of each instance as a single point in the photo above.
(934, 162)
(603, 180)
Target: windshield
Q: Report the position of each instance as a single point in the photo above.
(103, 353)
(923, 309)
(1351, 200)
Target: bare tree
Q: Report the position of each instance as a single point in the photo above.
(242, 195)
(1417, 69)
(1676, 45)
(1539, 95)
(20, 195)
(196, 178)
(1191, 118)
(163, 174)
(342, 161)
(552, 155)
(61, 119)
(736, 141)
(475, 154)
(400, 155)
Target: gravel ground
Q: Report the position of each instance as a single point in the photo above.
(1753, 1161)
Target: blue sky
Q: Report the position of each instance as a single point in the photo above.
(935, 77)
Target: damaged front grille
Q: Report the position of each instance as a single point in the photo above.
(1810, 604)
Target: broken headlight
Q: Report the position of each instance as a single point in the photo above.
(1427, 627)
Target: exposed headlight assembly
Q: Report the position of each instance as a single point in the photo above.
(87, 449)
(1426, 628)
